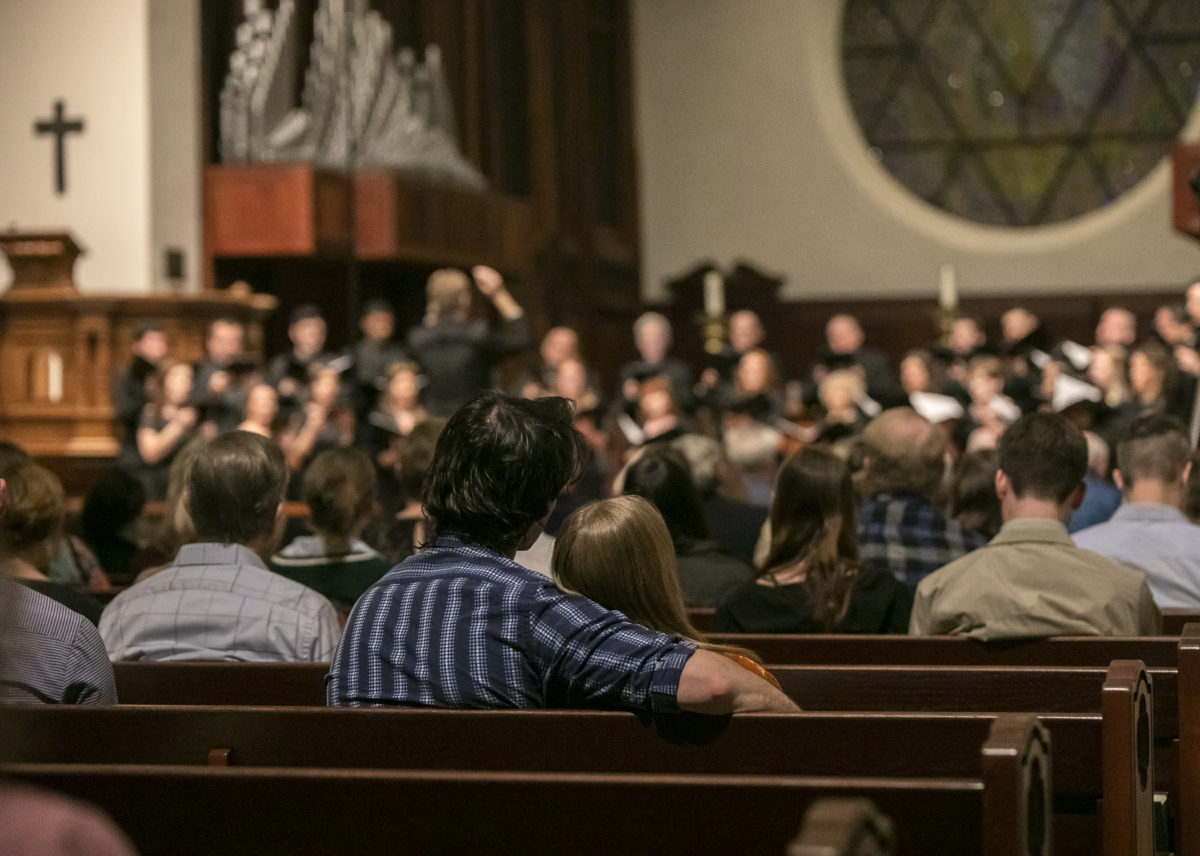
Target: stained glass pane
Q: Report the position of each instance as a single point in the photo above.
(1021, 112)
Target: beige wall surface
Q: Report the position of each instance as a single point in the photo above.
(748, 150)
(94, 56)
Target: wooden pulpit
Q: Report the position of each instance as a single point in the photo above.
(60, 349)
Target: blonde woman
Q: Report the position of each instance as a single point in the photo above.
(618, 552)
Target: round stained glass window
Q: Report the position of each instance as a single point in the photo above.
(1021, 112)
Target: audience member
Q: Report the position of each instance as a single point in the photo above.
(339, 489)
(973, 502)
(457, 353)
(652, 337)
(812, 581)
(707, 573)
(223, 375)
(1101, 498)
(34, 822)
(169, 422)
(732, 522)
(174, 528)
(499, 465)
(291, 372)
(129, 393)
(1031, 580)
(109, 521)
(218, 600)
(900, 530)
(1149, 531)
(33, 531)
(619, 553)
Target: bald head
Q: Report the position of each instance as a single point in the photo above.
(904, 451)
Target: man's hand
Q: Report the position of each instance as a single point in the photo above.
(488, 280)
(713, 684)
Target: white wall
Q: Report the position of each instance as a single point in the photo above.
(94, 56)
(748, 149)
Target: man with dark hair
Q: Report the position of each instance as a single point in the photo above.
(900, 530)
(1149, 531)
(462, 625)
(218, 600)
(1031, 580)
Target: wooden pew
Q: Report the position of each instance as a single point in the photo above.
(1175, 620)
(847, 650)
(217, 682)
(1094, 756)
(181, 810)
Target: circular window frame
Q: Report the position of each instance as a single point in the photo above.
(822, 51)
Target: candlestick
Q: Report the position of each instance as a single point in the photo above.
(947, 288)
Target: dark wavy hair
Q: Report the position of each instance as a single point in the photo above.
(499, 464)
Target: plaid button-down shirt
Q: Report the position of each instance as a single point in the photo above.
(461, 626)
(907, 535)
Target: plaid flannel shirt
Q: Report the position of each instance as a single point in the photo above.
(907, 535)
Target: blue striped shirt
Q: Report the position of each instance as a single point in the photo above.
(462, 626)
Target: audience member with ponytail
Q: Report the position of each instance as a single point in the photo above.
(812, 581)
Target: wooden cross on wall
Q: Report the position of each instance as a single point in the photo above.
(59, 126)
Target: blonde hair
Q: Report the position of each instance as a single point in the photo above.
(445, 289)
(618, 552)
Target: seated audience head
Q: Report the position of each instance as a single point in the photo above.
(112, 503)
(745, 331)
(558, 345)
(339, 489)
(1043, 459)
(33, 522)
(618, 552)
(1154, 455)
(973, 501)
(705, 461)
(903, 452)
(1117, 326)
(176, 528)
(224, 339)
(306, 329)
(414, 455)
(661, 475)
(448, 293)
(498, 469)
(966, 335)
(652, 336)
(1017, 323)
(235, 491)
(813, 529)
(378, 321)
(1099, 455)
(149, 342)
(843, 334)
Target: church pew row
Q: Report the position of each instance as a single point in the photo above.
(1094, 755)
(1002, 811)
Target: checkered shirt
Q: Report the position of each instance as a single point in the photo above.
(907, 535)
(461, 626)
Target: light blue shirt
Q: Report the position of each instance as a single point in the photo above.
(1157, 540)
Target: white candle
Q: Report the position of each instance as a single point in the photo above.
(54, 376)
(947, 288)
(714, 294)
